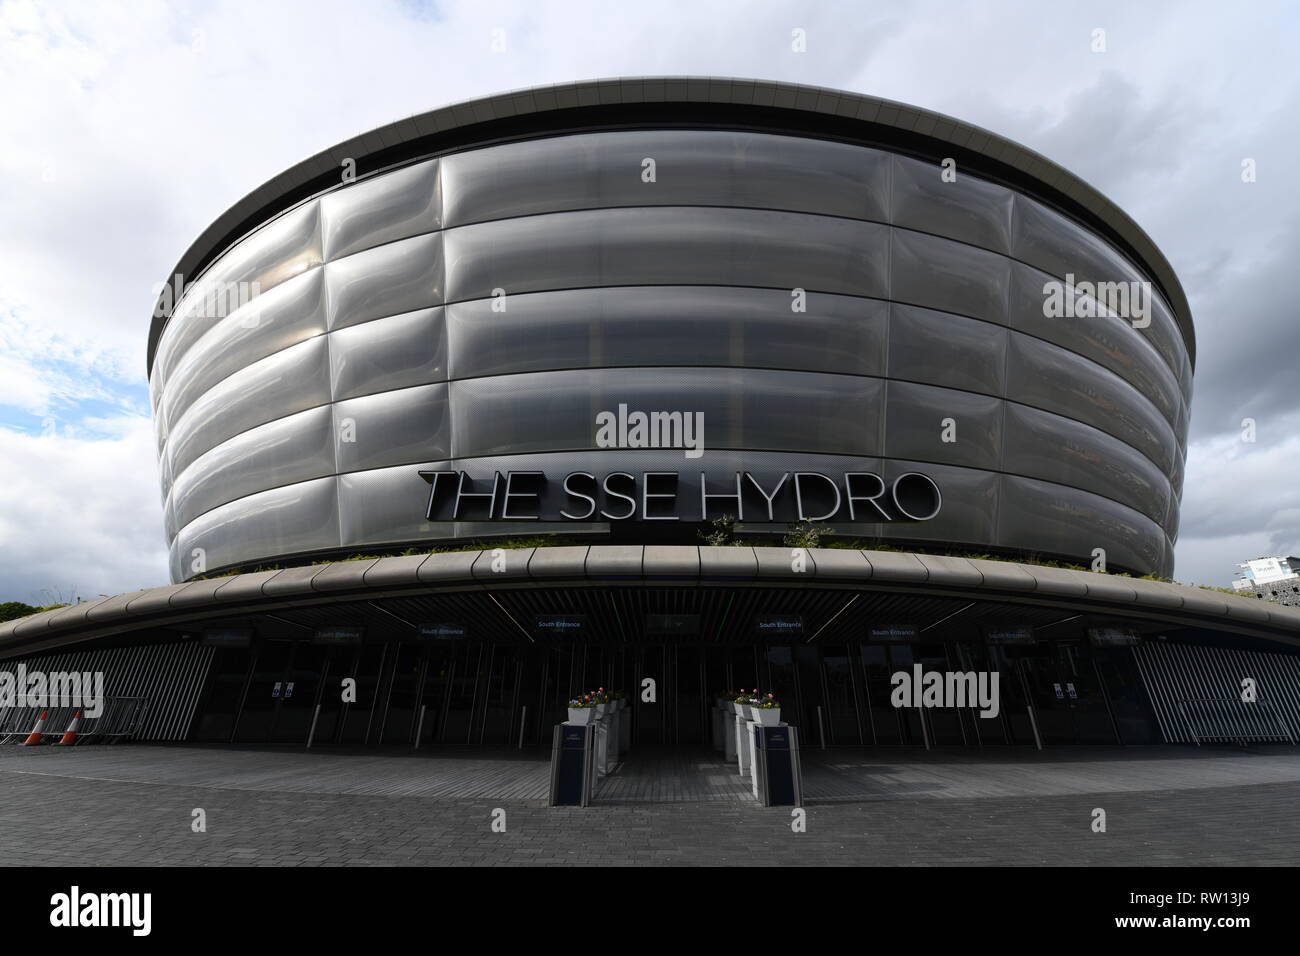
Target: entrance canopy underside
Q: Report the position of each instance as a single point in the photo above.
(624, 594)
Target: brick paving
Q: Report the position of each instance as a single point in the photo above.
(60, 818)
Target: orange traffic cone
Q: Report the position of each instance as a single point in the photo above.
(70, 735)
(35, 736)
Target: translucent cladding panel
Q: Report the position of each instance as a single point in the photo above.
(667, 325)
(742, 408)
(945, 349)
(388, 505)
(678, 246)
(278, 251)
(1166, 338)
(174, 562)
(1109, 341)
(1185, 378)
(281, 452)
(1055, 244)
(383, 354)
(385, 208)
(1176, 474)
(290, 313)
(1171, 522)
(1054, 379)
(281, 384)
(155, 390)
(170, 525)
(387, 280)
(942, 274)
(290, 520)
(1042, 445)
(160, 432)
(967, 509)
(1053, 519)
(392, 428)
(918, 419)
(165, 474)
(968, 209)
(692, 167)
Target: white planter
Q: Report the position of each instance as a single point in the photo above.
(600, 710)
(739, 708)
(580, 715)
(768, 717)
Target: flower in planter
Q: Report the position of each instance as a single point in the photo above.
(579, 702)
(768, 703)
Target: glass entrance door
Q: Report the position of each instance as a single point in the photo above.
(296, 700)
(256, 720)
(1067, 695)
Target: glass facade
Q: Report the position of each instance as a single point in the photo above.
(485, 694)
(827, 306)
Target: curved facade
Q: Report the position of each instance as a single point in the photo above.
(826, 305)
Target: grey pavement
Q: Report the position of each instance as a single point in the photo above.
(134, 806)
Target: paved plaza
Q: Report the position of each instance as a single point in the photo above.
(134, 805)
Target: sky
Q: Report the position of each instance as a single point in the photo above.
(126, 128)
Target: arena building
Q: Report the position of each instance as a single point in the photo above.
(451, 408)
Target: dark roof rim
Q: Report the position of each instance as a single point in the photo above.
(659, 565)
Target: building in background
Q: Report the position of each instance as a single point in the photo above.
(1273, 578)
(600, 317)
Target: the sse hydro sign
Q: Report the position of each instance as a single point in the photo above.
(677, 496)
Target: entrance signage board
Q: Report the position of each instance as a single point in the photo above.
(338, 635)
(1113, 637)
(892, 633)
(779, 625)
(443, 632)
(561, 623)
(1009, 634)
(238, 637)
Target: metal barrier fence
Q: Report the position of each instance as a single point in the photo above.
(1192, 684)
(1232, 720)
(170, 677)
(119, 719)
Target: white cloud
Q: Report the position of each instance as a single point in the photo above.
(80, 515)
